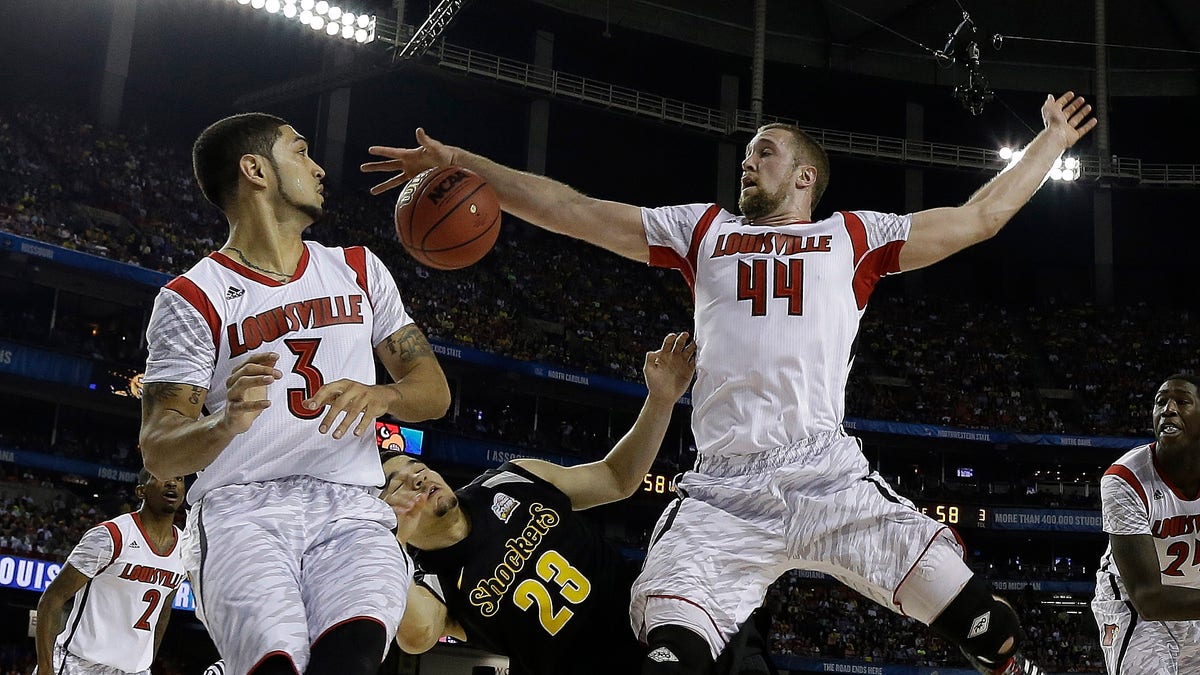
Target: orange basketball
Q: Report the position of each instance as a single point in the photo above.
(447, 217)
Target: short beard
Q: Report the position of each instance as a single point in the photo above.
(314, 211)
(758, 204)
(450, 504)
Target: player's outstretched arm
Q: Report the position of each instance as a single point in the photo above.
(50, 615)
(1137, 559)
(425, 621)
(176, 440)
(668, 373)
(939, 233)
(420, 391)
(539, 200)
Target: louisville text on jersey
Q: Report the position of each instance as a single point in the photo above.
(273, 324)
(151, 575)
(488, 593)
(774, 242)
(1175, 526)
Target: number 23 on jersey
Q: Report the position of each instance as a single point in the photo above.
(560, 579)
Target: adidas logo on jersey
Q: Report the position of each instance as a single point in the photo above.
(503, 506)
(662, 655)
(234, 293)
(134, 544)
(980, 625)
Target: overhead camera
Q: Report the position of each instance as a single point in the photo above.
(962, 47)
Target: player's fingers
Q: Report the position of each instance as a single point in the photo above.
(668, 342)
(425, 139)
(352, 414)
(1062, 100)
(326, 394)
(386, 151)
(1079, 116)
(386, 165)
(367, 418)
(389, 184)
(681, 341)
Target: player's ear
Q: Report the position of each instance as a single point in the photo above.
(806, 177)
(253, 168)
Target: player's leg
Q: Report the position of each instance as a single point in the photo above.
(355, 580)
(747, 653)
(242, 549)
(707, 569)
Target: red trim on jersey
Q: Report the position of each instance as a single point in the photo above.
(1128, 476)
(690, 602)
(188, 290)
(917, 561)
(229, 263)
(874, 265)
(665, 256)
(858, 234)
(115, 533)
(277, 652)
(137, 518)
(346, 621)
(698, 233)
(1168, 481)
(356, 258)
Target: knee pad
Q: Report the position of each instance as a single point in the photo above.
(980, 624)
(675, 650)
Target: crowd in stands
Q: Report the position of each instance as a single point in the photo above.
(1041, 369)
(45, 530)
(819, 619)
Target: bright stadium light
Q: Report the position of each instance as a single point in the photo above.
(243, 2)
(1006, 153)
(289, 11)
(348, 32)
(348, 19)
(1069, 174)
(305, 17)
(364, 20)
(307, 5)
(321, 16)
(258, 4)
(360, 35)
(1071, 163)
(335, 13)
(333, 28)
(1056, 173)
(317, 23)
(322, 7)
(273, 6)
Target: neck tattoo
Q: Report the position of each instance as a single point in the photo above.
(247, 263)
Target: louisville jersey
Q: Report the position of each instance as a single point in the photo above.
(1137, 499)
(324, 324)
(113, 619)
(533, 581)
(777, 316)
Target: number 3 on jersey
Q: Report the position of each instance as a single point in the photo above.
(788, 284)
(305, 351)
(573, 586)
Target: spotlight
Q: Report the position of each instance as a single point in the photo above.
(1006, 153)
(348, 19)
(305, 17)
(363, 21)
(307, 5)
(335, 13)
(289, 11)
(272, 6)
(317, 23)
(1071, 163)
(332, 28)
(348, 32)
(243, 2)
(1056, 173)
(1069, 174)
(322, 7)
(258, 4)
(360, 35)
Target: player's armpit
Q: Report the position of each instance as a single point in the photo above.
(423, 391)
(937, 234)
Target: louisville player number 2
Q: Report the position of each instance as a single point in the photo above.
(151, 598)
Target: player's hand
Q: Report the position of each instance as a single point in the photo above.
(669, 370)
(246, 391)
(360, 402)
(406, 504)
(407, 162)
(1067, 117)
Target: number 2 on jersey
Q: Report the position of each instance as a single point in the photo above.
(788, 284)
(573, 586)
(151, 598)
(305, 350)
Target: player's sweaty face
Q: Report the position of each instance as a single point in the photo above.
(299, 175)
(768, 172)
(405, 474)
(1176, 413)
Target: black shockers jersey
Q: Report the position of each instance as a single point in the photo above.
(535, 581)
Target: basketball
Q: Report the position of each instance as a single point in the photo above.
(447, 217)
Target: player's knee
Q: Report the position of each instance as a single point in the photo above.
(675, 650)
(981, 624)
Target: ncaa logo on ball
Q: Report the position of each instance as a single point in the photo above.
(439, 191)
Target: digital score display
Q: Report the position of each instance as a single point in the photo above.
(658, 484)
(955, 515)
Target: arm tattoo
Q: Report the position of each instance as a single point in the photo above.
(408, 343)
(160, 392)
(194, 398)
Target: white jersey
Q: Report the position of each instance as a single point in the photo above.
(1137, 499)
(777, 316)
(115, 614)
(324, 324)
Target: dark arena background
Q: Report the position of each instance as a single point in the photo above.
(992, 389)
